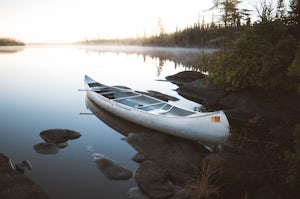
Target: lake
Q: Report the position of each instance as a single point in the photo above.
(40, 90)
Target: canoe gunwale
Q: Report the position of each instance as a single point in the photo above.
(193, 125)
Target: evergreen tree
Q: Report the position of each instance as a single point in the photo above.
(294, 69)
(280, 10)
(230, 12)
(294, 18)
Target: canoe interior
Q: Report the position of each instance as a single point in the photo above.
(136, 100)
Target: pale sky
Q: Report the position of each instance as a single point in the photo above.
(74, 20)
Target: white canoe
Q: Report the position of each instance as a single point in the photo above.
(203, 127)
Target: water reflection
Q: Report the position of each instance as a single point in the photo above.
(10, 49)
(55, 139)
(180, 56)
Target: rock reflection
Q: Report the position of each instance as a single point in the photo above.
(55, 139)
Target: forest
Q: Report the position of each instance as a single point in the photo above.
(10, 42)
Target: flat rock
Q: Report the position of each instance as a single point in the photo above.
(59, 135)
(185, 77)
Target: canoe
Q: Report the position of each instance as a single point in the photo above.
(145, 110)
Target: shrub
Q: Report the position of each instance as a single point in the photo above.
(260, 57)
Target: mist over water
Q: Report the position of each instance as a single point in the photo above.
(39, 91)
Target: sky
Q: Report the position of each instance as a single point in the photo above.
(57, 21)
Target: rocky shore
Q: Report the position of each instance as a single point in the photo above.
(171, 167)
(262, 124)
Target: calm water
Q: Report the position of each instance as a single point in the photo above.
(39, 90)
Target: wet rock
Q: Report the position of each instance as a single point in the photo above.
(179, 157)
(59, 135)
(22, 166)
(46, 148)
(184, 77)
(137, 193)
(14, 185)
(111, 169)
(240, 105)
(180, 193)
(55, 139)
(206, 94)
(139, 157)
(5, 164)
(153, 180)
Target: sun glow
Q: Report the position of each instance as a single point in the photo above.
(74, 20)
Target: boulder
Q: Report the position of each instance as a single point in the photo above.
(153, 180)
(241, 105)
(179, 157)
(185, 77)
(205, 93)
(139, 157)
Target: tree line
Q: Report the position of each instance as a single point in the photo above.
(10, 42)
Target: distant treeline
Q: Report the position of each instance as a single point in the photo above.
(10, 42)
(208, 35)
(198, 35)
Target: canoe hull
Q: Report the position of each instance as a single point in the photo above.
(199, 127)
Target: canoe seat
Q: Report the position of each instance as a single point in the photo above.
(107, 93)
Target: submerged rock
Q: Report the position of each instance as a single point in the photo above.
(55, 139)
(46, 148)
(14, 185)
(111, 169)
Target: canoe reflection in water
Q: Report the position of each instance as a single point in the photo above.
(55, 139)
(162, 158)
